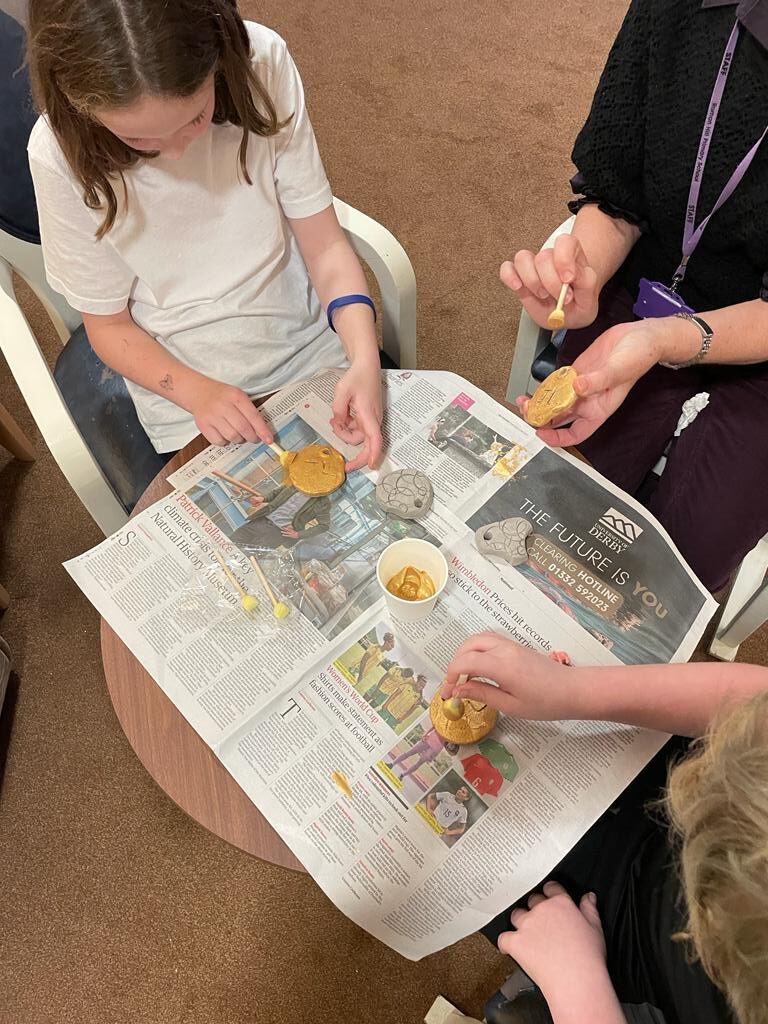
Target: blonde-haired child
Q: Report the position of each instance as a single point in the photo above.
(630, 917)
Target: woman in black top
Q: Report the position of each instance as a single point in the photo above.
(615, 933)
(636, 157)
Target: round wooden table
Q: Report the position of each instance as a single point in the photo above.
(167, 745)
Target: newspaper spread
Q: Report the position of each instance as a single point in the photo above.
(430, 844)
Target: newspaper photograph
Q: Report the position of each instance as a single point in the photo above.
(257, 610)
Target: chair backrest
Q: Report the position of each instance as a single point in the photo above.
(26, 258)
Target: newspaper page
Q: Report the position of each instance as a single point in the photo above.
(322, 716)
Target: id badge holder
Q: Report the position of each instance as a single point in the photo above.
(655, 299)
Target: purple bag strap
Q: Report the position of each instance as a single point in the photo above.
(691, 233)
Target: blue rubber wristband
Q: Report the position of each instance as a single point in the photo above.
(348, 300)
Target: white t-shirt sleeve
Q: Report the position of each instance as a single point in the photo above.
(86, 271)
(300, 179)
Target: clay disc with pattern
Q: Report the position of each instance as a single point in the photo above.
(552, 397)
(506, 539)
(406, 493)
(476, 722)
(316, 470)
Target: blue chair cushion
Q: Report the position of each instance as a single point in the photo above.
(546, 361)
(105, 415)
(18, 210)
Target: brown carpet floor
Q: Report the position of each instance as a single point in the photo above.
(452, 125)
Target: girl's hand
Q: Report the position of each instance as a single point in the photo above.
(226, 415)
(560, 946)
(357, 410)
(529, 684)
(537, 280)
(607, 371)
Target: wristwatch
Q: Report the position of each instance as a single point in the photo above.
(706, 340)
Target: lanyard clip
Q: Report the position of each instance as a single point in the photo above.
(679, 274)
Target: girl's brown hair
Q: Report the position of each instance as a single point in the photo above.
(91, 54)
(718, 802)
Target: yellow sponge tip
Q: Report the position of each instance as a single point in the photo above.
(250, 603)
(453, 708)
(282, 611)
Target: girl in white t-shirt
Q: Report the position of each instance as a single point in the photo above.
(184, 210)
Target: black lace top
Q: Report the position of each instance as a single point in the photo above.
(636, 152)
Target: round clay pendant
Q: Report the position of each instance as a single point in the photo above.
(475, 720)
(316, 470)
(552, 397)
(406, 493)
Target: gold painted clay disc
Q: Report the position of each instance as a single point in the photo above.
(475, 723)
(552, 397)
(315, 470)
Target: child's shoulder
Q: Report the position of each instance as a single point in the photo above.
(43, 148)
(267, 47)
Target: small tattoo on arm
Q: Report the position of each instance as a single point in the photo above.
(167, 382)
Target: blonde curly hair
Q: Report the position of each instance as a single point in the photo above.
(717, 801)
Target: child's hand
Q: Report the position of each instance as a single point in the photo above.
(559, 945)
(226, 415)
(529, 684)
(357, 411)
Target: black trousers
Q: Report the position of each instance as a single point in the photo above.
(605, 862)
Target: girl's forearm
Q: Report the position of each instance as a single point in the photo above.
(679, 699)
(606, 241)
(335, 270)
(126, 348)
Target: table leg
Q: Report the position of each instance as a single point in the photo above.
(5, 599)
(12, 437)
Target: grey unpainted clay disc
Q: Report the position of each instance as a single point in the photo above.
(505, 539)
(406, 493)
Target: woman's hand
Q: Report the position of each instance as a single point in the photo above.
(561, 946)
(357, 410)
(226, 415)
(607, 371)
(528, 684)
(537, 280)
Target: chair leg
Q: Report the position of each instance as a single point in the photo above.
(747, 606)
(12, 437)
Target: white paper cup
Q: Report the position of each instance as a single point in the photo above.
(421, 555)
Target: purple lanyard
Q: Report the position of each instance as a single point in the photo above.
(691, 234)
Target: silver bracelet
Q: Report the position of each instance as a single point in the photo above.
(706, 341)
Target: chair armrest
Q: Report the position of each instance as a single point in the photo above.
(26, 258)
(389, 262)
(562, 229)
(33, 376)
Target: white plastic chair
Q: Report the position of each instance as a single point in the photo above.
(371, 241)
(746, 608)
